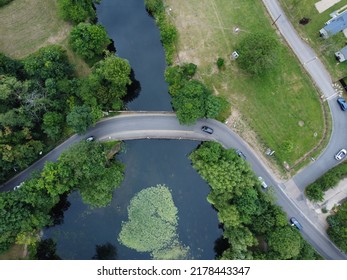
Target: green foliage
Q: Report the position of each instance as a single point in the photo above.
(77, 11)
(258, 53)
(330, 179)
(285, 242)
(84, 167)
(152, 223)
(80, 118)
(190, 98)
(220, 63)
(337, 230)
(168, 31)
(48, 62)
(154, 7)
(89, 40)
(4, 2)
(52, 125)
(246, 213)
(8, 66)
(107, 84)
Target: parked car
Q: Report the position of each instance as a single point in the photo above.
(207, 129)
(294, 222)
(240, 154)
(343, 104)
(340, 154)
(262, 182)
(90, 139)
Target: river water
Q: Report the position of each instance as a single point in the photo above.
(148, 162)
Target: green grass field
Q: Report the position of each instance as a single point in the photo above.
(27, 25)
(282, 108)
(325, 48)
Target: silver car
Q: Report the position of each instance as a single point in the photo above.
(341, 154)
(262, 182)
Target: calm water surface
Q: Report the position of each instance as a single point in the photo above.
(148, 162)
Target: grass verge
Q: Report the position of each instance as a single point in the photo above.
(282, 107)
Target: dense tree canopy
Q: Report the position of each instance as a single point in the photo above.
(258, 52)
(89, 40)
(83, 167)
(190, 98)
(77, 11)
(245, 211)
(107, 83)
(337, 230)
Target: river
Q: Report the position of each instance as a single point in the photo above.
(148, 162)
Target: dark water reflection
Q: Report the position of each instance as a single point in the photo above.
(137, 39)
(148, 163)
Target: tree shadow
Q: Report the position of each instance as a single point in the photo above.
(106, 251)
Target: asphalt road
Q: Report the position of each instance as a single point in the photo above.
(164, 125)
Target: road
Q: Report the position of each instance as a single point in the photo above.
(294, 188)
(165, 125)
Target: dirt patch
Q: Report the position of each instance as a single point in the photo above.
(240, 126)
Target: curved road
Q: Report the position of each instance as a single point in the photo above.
(165, 125)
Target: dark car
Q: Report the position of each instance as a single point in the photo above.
(294, 222)
(240, 154)
(343, 104)
(207, 129)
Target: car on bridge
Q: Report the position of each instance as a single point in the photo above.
(340, 154)
(207, 129)
(343, 104)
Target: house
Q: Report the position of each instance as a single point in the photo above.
(337, 23)
(341, 55)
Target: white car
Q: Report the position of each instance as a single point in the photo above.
(341, 154)
(262, 182)
(17, 187)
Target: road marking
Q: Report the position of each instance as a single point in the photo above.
(331, 96)
(310, 60)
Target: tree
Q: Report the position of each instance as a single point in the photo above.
(285, 242)
(48, 62)
(53, 125)
(108, 83)
(337, 230)
(9, 66)
(88, 40)
(258, 52)
(80, 118)
(77, 11)
(190, 102)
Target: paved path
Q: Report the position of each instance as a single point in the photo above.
(322, 80)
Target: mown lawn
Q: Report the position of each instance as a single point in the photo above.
(325, 48)
(283, 107)
(27, 25)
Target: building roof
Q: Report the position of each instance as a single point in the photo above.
(341, 55)
(335, 25)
